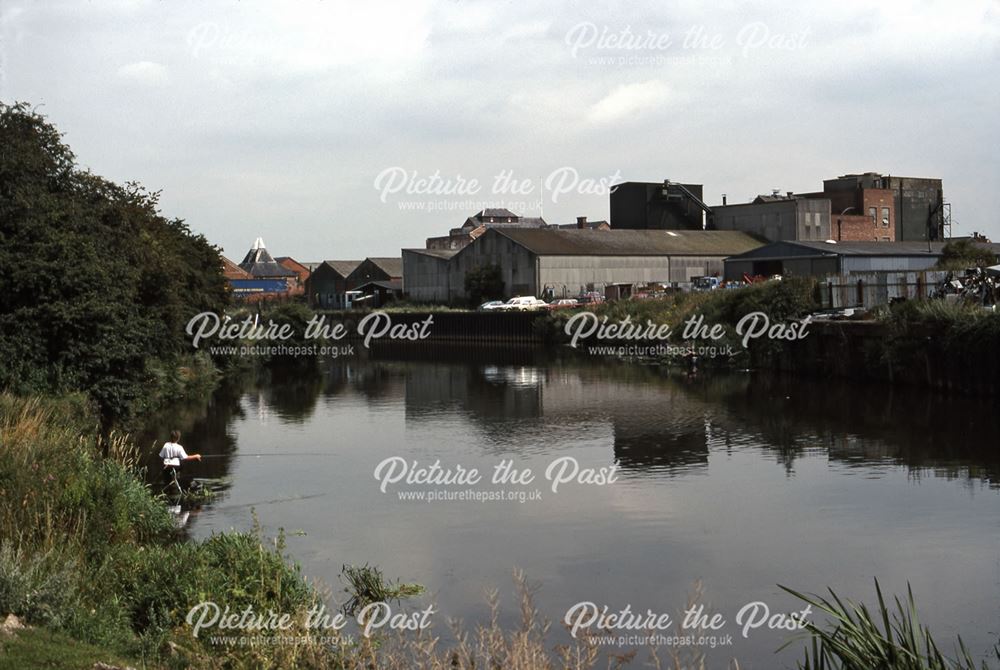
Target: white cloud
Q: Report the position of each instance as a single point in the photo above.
(247, 114)
(629, 102)
(144, 72)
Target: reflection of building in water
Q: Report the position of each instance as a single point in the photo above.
(489, 393)
(660, 444)
(651, 424)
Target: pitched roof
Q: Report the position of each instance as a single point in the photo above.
(437, 253)
(343, 268)
(558, 242)
(392, 266)
(258, 262)
(293, 265)
(499, 212)
(586, 224)
(803, 248)
(233, 271)
(390, 285)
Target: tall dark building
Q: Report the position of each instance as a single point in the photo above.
(918, 202)
(657, 206)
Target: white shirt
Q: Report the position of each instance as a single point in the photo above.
(172, 454)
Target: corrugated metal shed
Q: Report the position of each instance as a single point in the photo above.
(391, 266)
(343, 268)
(800, 249)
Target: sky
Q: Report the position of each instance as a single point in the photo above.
(340, 130)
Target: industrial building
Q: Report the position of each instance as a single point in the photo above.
(425, 274)
(376, 281)
(776, 217)
(915, 205)
(819, 259)
(866, 207)
(259, 276)
(327, 284)
(477, 224)
(555, 263)
(662, 205)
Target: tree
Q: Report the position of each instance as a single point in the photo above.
(962, 254)
(95, 285)
(484, 283)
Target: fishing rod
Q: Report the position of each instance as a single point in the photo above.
(204, 456)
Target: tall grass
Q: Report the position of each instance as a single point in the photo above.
(87, 548)
(886, 638)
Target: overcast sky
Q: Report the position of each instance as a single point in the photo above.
(296, 121)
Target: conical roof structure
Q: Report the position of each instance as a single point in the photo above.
(259, 263)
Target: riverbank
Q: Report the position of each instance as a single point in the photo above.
(925, 343)
(773, 326)
(90, 553)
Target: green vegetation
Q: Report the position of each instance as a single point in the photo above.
(962, 254)
(859, 639)
(484, 283)
(89, 552)
(96, 286)
(42, 648)
(367, 585)
(784, 300)
(934, 341)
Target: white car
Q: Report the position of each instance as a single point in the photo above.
(524, 303)
(491, 306)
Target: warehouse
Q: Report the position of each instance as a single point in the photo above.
(554, 263)
(425, 274)
(819, 259)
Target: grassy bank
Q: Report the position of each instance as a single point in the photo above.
(89, 553)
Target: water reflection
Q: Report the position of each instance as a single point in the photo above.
(709, 465)
(656, 420)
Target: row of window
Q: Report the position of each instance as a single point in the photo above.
(873, 213)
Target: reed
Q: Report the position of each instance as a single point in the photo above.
(886, 638)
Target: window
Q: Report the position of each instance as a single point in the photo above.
(885, 217)
(885, 239)
(872, 213)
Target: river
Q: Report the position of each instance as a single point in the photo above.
(739, 482)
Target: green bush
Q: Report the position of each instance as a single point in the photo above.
(95, 284)
(39, 588)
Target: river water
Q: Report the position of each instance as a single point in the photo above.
(738, 483)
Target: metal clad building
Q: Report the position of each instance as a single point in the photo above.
(425, 274)
(824, 258)
(776, 218)
(559, 263)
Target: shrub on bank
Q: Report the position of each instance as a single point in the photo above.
(780, 301)
(89, 550)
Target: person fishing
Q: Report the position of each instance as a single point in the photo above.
(173, 454)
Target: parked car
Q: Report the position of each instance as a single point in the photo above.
(591, 298)
(523, 303)
(564, 303)
(491, 306)
(700, 284)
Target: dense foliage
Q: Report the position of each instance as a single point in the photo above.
(962, 254)
(484, 283)
(88, 550)
(95, 285)
(781, 301)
